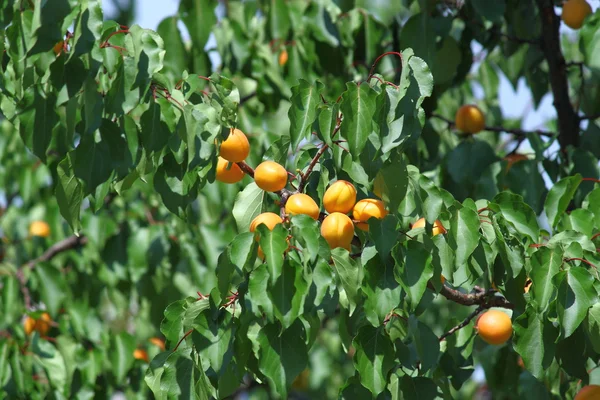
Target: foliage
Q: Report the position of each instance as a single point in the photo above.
(112, 138)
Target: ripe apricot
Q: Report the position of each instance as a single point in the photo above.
(268, 218)
(270, 176)
(141, 354)
(283, 57)
(437, 226)
(236, 147)
(28, 325)
(574, 13)
(340, 197)
(512, 159)
(39, 228)
(589, 392)
(42, 324)
(160, 343)
(367, 208)
(443, 279)
(338, 230)
(232, 175)
(301, 203)
(469, 119)
(58, 47)
(494, 327)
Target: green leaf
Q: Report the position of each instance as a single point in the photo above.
(47, 24)
(384, 234)
(518, 214)
(395, 183)
(306, 229)
(559, 197)
(288, 293)
(303, 110)
(273, 244)
(121, 354)
(464, 230)
(176, 56)
(382, 291)
(177, 187)
(52, 361)
(593, 326)
(69, 193)
(576, 294)
(418, 388)
(53, 287)
(37, 118)
(491, 10)
(358, 109)
(374, 358)
(416, 272)
(199, 18)
(213, 339)
(248, 204)
(426, 343)
(545, 264)
(349, 274)
(155, 133)
(281, 356)
(258, 300)
(535, 339)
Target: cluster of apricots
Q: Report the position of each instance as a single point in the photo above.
(41, 325)
(339, 200)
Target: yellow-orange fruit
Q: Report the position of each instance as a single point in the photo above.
(283, 57)
(141, 354)
(160, 343)
(232, 175)
(268, 218)
(528, 285)
(39, 228)
(43, 323)
(512, 159)
(28, 325)
(574, 12)
(340, 197)
(338, 230)
(58, 47)
(301, 203)
(236, 147)
(367, 208)
(270, 176)
(470, 119)
(589, 392)
(443, 279)
(437, 226)
(494, 327)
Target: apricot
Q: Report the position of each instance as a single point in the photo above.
(437, 226)
(367, 208)
(589, 392)
(494, 327)
(283, 57)
(512, 159)
(58, 47)
(270, 176)
(340, 197)
(268, 218)
(574, 13)
(160, 343)
(39, 228)
(301, 203)
(43, 323)
(443, 279)
(232, 175)
(141, 354)
(28, 325)
(236, 147)
(338, 230)
(470, 119)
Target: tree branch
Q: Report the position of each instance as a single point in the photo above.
(500, 129)
(304, 177)
(246, 168)
(485, 299)
(568, 121)
(69, 243)
(464, 323)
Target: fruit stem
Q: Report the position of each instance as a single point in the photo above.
(246, 168)
(188, 333)
(591, 180)
(464, 323)
(372, 71)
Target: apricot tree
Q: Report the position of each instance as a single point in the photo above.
(334, 207)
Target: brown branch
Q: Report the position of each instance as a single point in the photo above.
(246, 168)
(246, 98)
(464, 323)
(590, 117)
(304, 177)
(499, 129)
(486, 299)
(69, 243)
(568, 121)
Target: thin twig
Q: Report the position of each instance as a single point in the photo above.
(484, 298)
(246, 168)
(311, 166)
(500, 129)
(464, 323)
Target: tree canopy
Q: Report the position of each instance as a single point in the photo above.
(299, 199)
